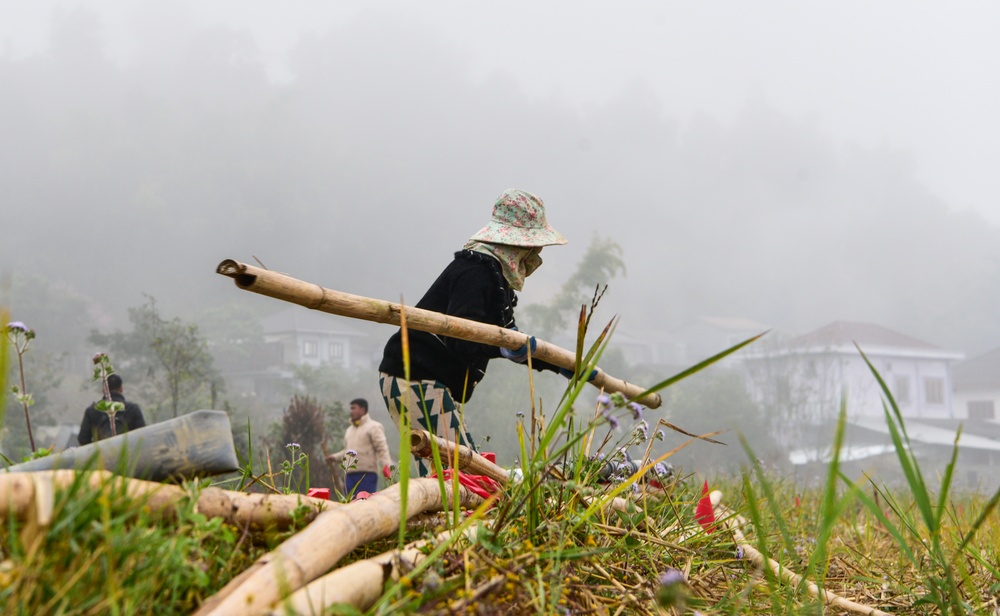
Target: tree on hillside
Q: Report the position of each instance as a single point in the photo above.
(306, 427)
(168, 360)
(602, 262)
(717, 400)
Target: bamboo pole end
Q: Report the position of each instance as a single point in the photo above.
(237, 271)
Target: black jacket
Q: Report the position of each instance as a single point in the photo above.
(471, 287)
(97, 424)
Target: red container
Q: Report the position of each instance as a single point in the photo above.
(323, 493)
(489, 455)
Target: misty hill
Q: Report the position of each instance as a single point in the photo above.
(383, 154)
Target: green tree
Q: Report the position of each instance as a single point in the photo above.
(235, 337)
(711, 401)
(307, 427)
(602, 262)
(168, 358)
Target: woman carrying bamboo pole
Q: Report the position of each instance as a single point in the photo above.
(478, 284)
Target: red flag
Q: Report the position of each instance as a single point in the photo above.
(703, 513)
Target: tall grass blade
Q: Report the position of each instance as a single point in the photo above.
(983, 516)
(830, 508)
(769, 495)
(949, 472)
(699, 366)
(907, 460)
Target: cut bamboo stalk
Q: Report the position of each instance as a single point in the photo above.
(315, 549)
(28, 496)
(284, 287)
(734, 521)
(361, 583)
(468, 460)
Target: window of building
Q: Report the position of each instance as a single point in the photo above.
(934, 390)
(336, 350)
(902, 389)
(309, 348)
(981, 409)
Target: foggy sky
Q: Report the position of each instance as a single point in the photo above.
(918, 76)
(789, 164)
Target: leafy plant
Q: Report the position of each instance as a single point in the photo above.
(19, 337)
(102, 370)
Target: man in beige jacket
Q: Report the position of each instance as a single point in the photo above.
(365, 451)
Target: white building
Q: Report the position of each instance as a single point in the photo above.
(817, 370)
(315, 338)
(977, 387)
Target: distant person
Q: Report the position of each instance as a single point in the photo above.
(365, 444)
(97, 424)
(479, 285)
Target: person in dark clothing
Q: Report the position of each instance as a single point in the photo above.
(97, 424)
(479, 285)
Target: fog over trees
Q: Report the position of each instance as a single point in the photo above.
(383, 151)
(382, 155)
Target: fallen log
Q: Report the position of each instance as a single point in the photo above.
(27, 495)
(315, 549)
(361, 583)
(199, 444)
(315, 297)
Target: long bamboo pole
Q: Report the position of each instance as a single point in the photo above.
(312, 551)
(284, 287)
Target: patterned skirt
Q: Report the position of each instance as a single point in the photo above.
(429, 405)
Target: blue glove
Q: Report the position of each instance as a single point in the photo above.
(569, 374)
(519, 355)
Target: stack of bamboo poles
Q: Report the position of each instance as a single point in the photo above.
(314, 550)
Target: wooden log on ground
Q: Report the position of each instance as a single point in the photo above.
(199, 444)
(361, 583)
(314, 550)
(23, 494)
(284, 287)
(468, 460)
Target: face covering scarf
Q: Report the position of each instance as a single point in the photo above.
(517, 262)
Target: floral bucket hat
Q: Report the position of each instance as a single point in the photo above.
(519, 220)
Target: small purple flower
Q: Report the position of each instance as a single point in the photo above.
(293, 446)
(671, 576)
(613, 421)
(660, 469)
(636, 409)
(351, 452)
(519, 415)
(99, 357)
(604, 400)
(17, 326)
(660, 435)
(739, 552)
(642, 431)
